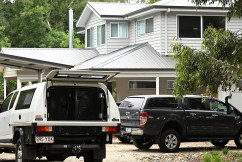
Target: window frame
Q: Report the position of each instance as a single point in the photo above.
(19, 96)
(90, 46)
(137, 32)
(221, 103)
(118, 37)
(201, 24)
(140, 81)
(101, 43)
(172, 84)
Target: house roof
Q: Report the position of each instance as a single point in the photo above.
(177, 5)
(125, 11)
(107, 10)
(44, 58)
(184, 3)
(135, 57)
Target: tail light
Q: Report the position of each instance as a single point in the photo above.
(143, 118)
(43, 129)
(109, 129)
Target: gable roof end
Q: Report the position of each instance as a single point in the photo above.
(107, 10)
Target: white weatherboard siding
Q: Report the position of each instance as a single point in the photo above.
(235, 24)
(115, 43)
(132, 33)
(94, 21)
(153, 38)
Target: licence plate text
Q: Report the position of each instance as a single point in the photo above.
(44, 139)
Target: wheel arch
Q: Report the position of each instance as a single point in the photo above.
(175, 125)
(17, 134)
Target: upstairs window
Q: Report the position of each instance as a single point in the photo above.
(217, 22)
(189, 27)
(90, 37)
(194, 26)
(119, 30)
(101, 34)
(145, 26)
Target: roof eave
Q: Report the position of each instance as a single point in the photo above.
(28, 63)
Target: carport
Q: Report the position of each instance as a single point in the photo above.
(29, 64)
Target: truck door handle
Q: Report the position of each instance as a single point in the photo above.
(193, 114)
(19, 117)
(214, 115)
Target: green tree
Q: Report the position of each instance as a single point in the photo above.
(4, 41)
(235, 6)
(219, 62)
(59, 39)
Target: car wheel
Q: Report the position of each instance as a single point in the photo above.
(144, 143)
(55, 157)
(219, 143)
(170, 141)
(238, 140)
(124, 140)
(19, 152)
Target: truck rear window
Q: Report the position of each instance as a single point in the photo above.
(133, 102)
(161, 103)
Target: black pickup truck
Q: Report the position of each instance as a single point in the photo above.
(167, 121)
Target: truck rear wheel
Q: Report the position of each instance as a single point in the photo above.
(144, 143)
(19, 151)
(170, 141)
(219, 143)
(88, 157)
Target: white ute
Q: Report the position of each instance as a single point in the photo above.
(71, 114)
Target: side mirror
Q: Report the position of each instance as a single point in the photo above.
(227, 99)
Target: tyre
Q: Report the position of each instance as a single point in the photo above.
(238, 140)
(88, 157)
(55, 157)
(144, 143)
(170, 141)
(219, 143)
(124, 140)
(19, 152)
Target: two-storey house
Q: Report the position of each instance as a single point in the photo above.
(114, 28)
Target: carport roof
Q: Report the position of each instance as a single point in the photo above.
(44, 58)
